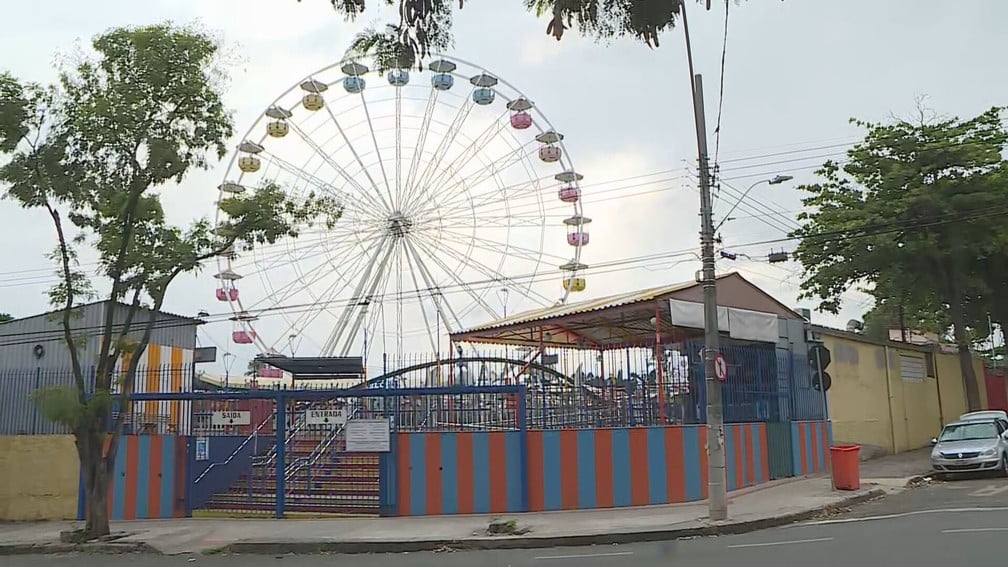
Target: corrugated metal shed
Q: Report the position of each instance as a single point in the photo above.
(34, 355)
(20, 339)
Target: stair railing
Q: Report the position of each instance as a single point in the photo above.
(253, 435)
(319, 450)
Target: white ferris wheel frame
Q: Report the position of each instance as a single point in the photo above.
(540, 126)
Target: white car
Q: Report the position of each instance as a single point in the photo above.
(972, 445)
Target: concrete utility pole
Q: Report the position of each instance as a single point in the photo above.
(717, 494)
(716, 490)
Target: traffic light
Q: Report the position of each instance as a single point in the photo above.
(819, 359)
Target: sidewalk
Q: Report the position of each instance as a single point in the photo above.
(760, 507)
(899, 469)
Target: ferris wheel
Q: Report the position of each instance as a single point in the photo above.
(457, 196)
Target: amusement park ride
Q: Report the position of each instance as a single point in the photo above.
(450, 181)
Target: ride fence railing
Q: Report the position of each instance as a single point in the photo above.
(578, 388)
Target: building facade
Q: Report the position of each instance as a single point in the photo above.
(34, 355)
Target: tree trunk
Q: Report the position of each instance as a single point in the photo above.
(965, 359)
(90, 450)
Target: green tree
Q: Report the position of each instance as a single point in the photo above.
(425, 25)
(4, 317)
(97, 151)
(912, 217)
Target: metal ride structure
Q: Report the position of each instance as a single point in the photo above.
(453, 187)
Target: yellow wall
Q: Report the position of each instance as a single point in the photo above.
(857, 399)
(38, 477)
(871, 404)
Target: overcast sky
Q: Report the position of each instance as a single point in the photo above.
(796, 71)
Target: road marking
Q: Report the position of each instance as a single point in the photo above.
(585, 555)
(907, 514)
(973, 530)
(769, 543)
(989, 490)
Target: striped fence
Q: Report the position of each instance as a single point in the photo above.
(480, 472)
(810, 442)
(149, 480)
(459, 473)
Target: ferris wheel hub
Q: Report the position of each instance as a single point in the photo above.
(399, 225)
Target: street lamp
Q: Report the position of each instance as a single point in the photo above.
(775, 180)
(227, 370)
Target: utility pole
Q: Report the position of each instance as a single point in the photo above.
(717, 496)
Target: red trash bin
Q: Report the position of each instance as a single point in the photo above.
(846, 467)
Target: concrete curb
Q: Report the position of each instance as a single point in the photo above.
(534, 542)
(108, 548)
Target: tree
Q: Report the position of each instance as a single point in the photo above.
(97, 151)
(912, 217)
(425, 25)
(4, 317)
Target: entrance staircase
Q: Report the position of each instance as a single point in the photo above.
(321, 477)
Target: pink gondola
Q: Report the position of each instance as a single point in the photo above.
(577, 238)
(549, 153)
(570, 194)
(222, 294)
(242, 337)
(521, 120)
(233, 294)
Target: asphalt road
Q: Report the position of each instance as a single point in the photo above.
(955, 523)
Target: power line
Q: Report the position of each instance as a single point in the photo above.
(618, 265)
(724, 50)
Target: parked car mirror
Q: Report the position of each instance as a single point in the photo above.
(934, 440)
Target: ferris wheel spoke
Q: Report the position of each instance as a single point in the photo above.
(364, 169)
(285, 292)
(485, 169)
(437, 295)
(360, 239)
(421, 143)
(332, 163)
(374, 139)
(502, 221)
(321, 304)
(441, 150)
(465, 287)
(342, 278)
(486, 271)
(381, 251)
(433, 337)
(531, 189)
(462, 158)
(495, 246)
(460, 188)
(398, 148)
(296, 171)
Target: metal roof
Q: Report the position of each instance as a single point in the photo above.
(325, 368)
(600, 304)
(119, 304)
(619, 320)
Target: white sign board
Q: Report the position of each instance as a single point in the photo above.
(231, 418)
(332, 418)
(367, 436)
